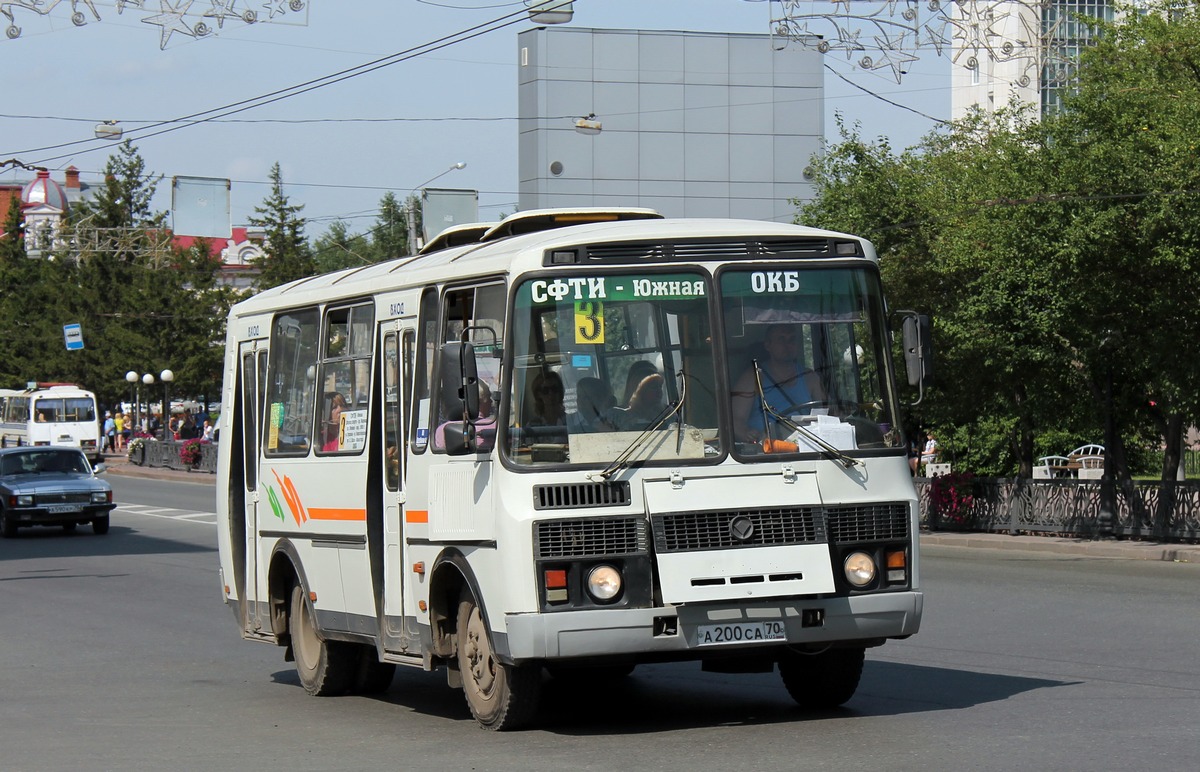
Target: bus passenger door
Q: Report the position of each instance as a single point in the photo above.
(253, 382)
(398, 346)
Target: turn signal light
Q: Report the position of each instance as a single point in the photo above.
(556, 585)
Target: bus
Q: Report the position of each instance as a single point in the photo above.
(523, 457)
(52, 414)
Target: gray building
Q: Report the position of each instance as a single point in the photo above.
(692, 124)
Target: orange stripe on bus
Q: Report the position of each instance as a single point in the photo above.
(416, 515)
(337, 514)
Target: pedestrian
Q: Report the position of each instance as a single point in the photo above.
(110, 432)
(118, 435)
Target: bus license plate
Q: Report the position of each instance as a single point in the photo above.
(64, 509)
(740, 632)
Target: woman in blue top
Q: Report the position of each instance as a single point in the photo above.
(784, 384)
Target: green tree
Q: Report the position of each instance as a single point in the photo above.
(1055, 255)
(288, 256)
(337, 248)
(389, 237)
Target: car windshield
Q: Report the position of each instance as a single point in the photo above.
(40, 461)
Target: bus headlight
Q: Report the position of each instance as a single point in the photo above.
(604, 583)
(859, 568)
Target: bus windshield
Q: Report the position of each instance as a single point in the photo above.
(807, 354)
(611, 364)
(61, 410)
(623, 367)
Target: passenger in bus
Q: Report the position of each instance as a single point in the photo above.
(637, 373)
(593, 401)
(548, 395)
(787, 388)
(646, 405)
(333, 425)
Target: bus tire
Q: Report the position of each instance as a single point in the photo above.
(501, 697)
(100, 525)
(372, 676)
(325, 667)
(821, 681)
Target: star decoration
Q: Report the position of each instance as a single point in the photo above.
(171, 20)
(221, 9)
(275, 8)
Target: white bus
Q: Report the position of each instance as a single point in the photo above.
(52, 414)
(373, 511)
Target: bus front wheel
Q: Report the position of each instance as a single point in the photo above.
(821, 681)
(324, 667)
(501, 697)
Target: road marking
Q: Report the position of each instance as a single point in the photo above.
(167, 513)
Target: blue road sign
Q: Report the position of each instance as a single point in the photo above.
(73, 335)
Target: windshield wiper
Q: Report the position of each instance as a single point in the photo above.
(829, 451)
(622, 459)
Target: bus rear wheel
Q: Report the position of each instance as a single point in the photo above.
(821, 681)
(324, 667)
(501, 697)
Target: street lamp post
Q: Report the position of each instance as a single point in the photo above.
(167, 376)
(147, 379)
(411, 206)
(132, 377)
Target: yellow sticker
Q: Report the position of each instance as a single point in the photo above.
(589, 321)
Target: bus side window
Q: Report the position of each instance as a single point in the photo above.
(480, 311)
(291, 401)
(427, 341)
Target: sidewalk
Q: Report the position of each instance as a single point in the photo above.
(118, 464)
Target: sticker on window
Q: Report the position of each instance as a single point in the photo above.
(589, 321)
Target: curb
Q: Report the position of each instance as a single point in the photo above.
(1122, 549)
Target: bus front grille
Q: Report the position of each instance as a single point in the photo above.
(691, 531)
(868, 522)
(579, 495)
(590, 537)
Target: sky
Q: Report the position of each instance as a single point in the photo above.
(343, 146)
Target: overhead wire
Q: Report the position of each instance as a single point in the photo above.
(233, 108)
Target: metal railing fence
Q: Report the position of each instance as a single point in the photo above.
(1069, 508)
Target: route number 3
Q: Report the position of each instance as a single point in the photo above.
(589, 321)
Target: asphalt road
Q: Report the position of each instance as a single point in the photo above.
(120, 655)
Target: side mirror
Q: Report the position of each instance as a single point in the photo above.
(459, 381)
(459, 437)
(918, 350)
(99, 469)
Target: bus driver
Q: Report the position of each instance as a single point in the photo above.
(786, 387)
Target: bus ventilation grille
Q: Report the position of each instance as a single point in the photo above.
(579, 495)
(699, 250)
(690, 531)
(868, 522)
(590, 537)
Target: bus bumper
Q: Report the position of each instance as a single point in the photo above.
(673, 632)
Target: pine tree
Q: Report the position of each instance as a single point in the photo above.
(288, 256)
(390, 235)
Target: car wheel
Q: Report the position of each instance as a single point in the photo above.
(7, 526)
(100, 525)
